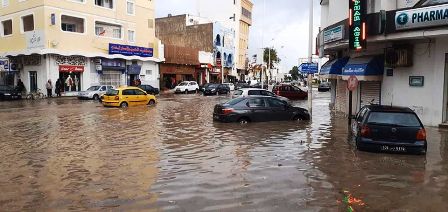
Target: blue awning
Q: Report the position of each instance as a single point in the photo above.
(364, 66)
(334, 67)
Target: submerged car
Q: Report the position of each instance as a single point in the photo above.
(290, 91)
(127, 96)
(186, 87)
(389, 129)
(149, 89)
(94, 92)
(324, 87)
(258, 109)
(245, 92)
(9, 93)
(216, 89)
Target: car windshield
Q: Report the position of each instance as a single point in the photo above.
(238, 93)
(112, 92)
(394, 119)
(183, 84)
(234, 101)
(212, 86)
(94, 88)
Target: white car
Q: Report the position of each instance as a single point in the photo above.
(187, 86)
(231, 86)
(94, 92)
(245, 92)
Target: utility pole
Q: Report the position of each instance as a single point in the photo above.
(310, 60)
(262, 45)
(269, 67)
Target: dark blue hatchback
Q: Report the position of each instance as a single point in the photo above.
(389, 129)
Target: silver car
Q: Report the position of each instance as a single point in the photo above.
(245, 92)
(94, 92)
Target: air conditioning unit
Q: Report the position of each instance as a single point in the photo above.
(399, 56)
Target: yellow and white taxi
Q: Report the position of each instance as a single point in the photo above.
(126, 96)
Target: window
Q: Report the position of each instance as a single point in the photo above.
(128, 92)
(246, 13)
(6, 27)
(108, 30)
(72, 24)
(130, 7)
(28, 23)
(267, 93)
(80, 1)
(105, 3)
(256, 102)
(394, 119)
(434, 2)
(5, 3)
(254, 93)
(276, 103)
(148, 72)
(139, 92)
(131, 36)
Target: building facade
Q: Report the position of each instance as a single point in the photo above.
(81, 42)
(403, 62)
(243, 21)
(196, 49)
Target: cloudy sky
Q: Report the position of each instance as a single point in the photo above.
(284, 23)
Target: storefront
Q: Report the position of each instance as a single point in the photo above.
(71, 77)
(112, 72)
(368, 71)
(332, 70)
(133, 71)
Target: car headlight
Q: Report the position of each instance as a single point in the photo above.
(213, 90)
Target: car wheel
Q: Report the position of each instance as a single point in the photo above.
(124, 105)
(96, 97)
(186, 91)
(298, 118)
(151, 102)
(243, 120)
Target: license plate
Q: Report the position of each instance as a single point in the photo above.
(393, 148)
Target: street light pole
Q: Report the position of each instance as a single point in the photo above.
(262, 45)
(310, 60)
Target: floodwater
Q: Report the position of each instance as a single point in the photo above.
(70, 155)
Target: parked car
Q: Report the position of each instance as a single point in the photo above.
(231, 86)
(149, 89)
(186, 87)
(258, 109)
(258, 85)
(9, 93)
(289, 91)
(204, 86)
(389, 129)
(216, 89)
(127, 96)
(94, 92)
(241, 85)
(245, 92)
(324, 87)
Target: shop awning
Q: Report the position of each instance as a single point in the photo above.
(333, 68)
(368, 68)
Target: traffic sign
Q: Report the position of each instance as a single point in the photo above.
(352, 83)
(309, 68)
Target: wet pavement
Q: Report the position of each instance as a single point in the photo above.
(72, 155)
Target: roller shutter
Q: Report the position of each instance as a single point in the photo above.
(370, 93)
(341, 96)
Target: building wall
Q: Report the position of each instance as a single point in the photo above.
(242, 34)
(427, 101)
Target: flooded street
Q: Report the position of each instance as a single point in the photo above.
(66, 154)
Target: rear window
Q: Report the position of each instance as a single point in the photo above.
(234, 101)
(254, 93)
(394, 119)
(112, 92)
(238, 93)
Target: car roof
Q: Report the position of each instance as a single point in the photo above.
(252, 89)
(127, 87)
(386, 108)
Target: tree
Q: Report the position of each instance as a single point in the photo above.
(294, 73)
(274, 57)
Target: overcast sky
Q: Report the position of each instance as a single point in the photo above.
(285, 21)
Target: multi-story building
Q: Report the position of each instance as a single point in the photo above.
(243, 19)
(81, 42)
(196, 49)
(394, 53)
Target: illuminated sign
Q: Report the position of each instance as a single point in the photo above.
(422, 17)
(357, 24)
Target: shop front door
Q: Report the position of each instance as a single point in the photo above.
(33, 81)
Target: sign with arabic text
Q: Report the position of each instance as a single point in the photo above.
(127, 50)
(357, 24)
(35, 39)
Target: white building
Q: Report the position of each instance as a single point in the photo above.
(404, 62)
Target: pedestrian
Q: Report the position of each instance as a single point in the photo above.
(49, 87)
(21, 87)
(58, 88)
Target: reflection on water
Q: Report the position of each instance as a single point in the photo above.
(70, 155)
